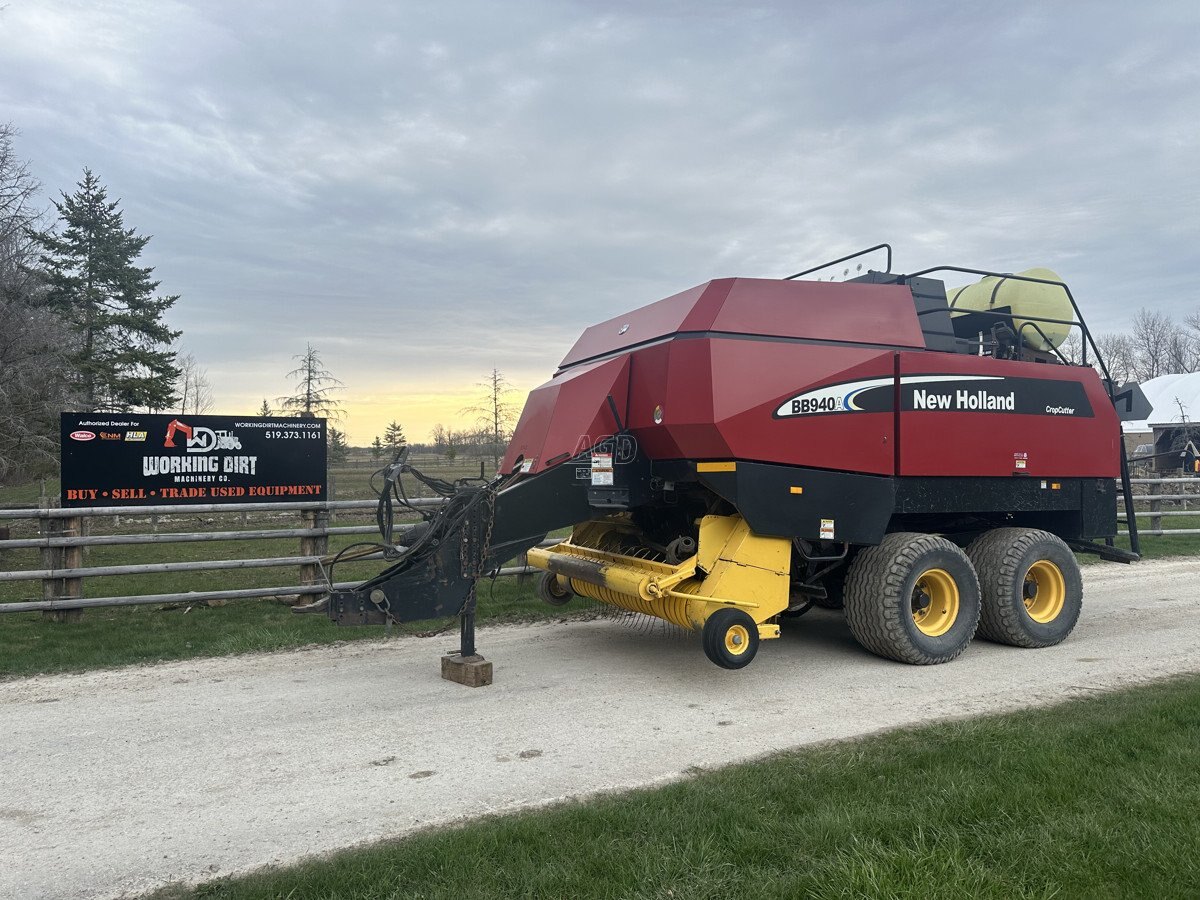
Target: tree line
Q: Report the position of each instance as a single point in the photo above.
(489, 425)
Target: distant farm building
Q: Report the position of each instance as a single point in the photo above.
(1172, 426)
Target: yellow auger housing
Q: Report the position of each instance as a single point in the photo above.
(732, 589)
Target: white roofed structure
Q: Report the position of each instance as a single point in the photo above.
(1166, 394)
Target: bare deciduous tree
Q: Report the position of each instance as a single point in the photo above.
(33, 340)
(1151, 338)
(495, 413)
(1118, 354)
(193, 387)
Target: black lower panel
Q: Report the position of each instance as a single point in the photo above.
(788, 501)
(791, 501)
(1070, 507)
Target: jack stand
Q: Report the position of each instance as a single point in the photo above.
(466, 666)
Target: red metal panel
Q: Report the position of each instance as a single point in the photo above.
(568, 414)
(718, 398)
(691, 310)
(647, 390)
(951, 442)
(847, 311)
(754, 378)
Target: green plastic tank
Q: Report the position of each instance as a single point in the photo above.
(1026, 298)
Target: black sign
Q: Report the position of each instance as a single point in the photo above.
(131, 459)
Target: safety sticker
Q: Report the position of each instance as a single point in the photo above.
(1020, 460)
(602, 469)
(827, 529)
(527, 465)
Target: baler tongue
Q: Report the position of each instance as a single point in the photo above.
(733, 574)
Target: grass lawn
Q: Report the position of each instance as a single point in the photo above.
(1093, 798)
(1157, 547)
(116, 636)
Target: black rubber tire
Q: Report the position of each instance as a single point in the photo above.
(1002, 557)
(717, 626)
(879, 597)
(551, 591)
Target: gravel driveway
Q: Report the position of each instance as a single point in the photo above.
(117, 782)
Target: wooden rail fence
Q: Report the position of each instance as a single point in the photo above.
(62, 538)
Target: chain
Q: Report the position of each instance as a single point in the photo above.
(477, 571)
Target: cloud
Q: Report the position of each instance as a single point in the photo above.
(426, 192)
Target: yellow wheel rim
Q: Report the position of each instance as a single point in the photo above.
(935, 602)
(1045, 591)
(737, 639)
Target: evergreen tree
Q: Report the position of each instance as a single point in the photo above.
(314, 388)
(376, 448)
(393, 437)
(121, 356)
(265, 409)
(338, 449)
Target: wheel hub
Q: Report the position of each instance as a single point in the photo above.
(737, 639)
(1044, 591)
(935, 602)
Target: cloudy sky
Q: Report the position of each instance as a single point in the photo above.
(425, 191)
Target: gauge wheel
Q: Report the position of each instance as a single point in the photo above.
(551, 589)
(730, 638)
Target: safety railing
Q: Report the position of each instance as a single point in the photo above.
(62, 539)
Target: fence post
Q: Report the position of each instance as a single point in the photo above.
(310, 573)
(1155, 507)
(61, 558)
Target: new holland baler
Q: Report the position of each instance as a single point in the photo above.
(729, 456)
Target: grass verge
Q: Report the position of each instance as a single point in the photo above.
(1093, 798)
(106, 637)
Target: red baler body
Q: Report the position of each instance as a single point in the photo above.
(719, 361)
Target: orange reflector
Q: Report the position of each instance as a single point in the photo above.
(796, 489)
(716, 467)
(1055, 486)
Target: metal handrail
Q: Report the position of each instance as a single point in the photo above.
(834, 262)
(1061, 284)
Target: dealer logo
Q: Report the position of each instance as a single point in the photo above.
(83, 436)
(201, 439)
(135, 435)
(110, 435)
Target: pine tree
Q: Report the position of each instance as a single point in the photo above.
(376, 448)
(121, 356)
(338, 449)
(265, 409)
(314, 388)
(393, 437)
